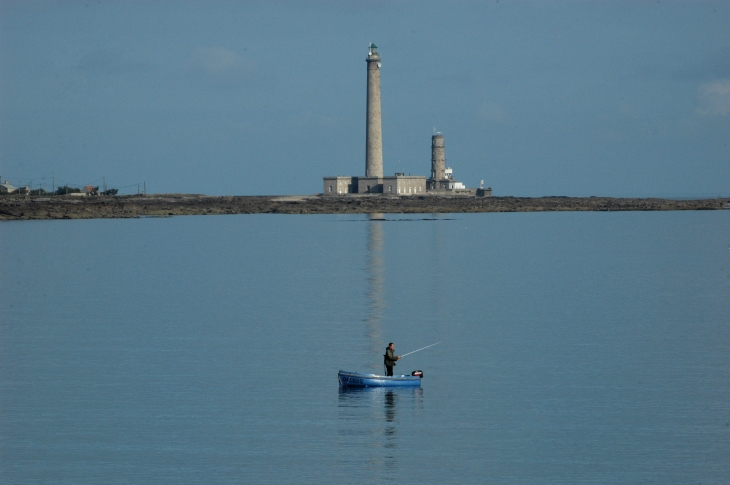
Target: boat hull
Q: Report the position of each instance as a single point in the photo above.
(356, 379)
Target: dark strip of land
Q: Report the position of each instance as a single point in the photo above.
(69, 207)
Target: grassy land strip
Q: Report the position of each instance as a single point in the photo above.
(65, 207)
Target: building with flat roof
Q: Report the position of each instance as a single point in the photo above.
(402, 184)
(340, 185)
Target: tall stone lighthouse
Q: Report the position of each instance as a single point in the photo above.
(374, 134)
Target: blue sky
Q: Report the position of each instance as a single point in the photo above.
(247, 98)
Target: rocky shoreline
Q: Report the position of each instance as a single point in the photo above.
(69, 207)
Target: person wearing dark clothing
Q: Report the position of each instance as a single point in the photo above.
(390, 358)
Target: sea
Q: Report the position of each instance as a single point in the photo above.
(576, 348)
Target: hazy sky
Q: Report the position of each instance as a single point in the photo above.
(535, 98)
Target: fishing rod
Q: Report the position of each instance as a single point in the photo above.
(427, 346)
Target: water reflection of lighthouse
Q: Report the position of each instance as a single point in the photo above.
(374, 294)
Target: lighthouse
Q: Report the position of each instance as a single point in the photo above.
(438, 160)
(374, 131)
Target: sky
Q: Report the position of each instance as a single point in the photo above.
(535, 98)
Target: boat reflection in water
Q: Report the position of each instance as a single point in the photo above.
(369, 418)
(391, 398)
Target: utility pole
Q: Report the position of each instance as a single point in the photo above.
(104, 185)
(137, 189)
(145, 188)
(53, 185)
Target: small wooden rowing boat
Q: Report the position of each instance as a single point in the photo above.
(356, 379)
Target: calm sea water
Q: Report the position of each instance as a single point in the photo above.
(577, 348)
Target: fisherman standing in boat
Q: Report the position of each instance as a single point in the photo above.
(390, 359)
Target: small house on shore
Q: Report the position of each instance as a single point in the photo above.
(6, 188)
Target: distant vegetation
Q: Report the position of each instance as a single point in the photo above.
(67, 190)
(63, 190)
(74, 190)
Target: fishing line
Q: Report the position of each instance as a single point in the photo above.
(427, 346)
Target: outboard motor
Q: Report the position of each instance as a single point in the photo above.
(417, 373)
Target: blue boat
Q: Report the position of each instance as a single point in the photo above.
(356, 379)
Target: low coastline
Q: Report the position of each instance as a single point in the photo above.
(168, 205)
